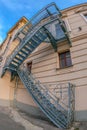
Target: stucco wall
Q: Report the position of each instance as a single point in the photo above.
(46, 69)
(45, 66)
(5, 90)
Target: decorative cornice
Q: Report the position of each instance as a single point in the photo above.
(23, 19)
(64, 15)
(76, 7)
(84, 8)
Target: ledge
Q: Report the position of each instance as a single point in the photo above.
(64, 67)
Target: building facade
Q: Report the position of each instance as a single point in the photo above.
(56, 64)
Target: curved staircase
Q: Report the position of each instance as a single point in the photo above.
(40, 29)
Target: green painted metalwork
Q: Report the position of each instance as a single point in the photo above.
(36, 31)
(51, 38)
(52, 103)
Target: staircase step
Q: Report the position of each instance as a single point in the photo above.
(28, 47)
(40, 96)
(51, 115)
(39, 37)
(52, 112)
(20, 55)
(36, 39)
(24, 52)
(24, 32)
(17, 62)
(42, 32)
(32, 44)
(35, 42)
(12, 65)
(53, 118)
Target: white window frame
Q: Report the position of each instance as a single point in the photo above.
(67, 25)
(83, 16)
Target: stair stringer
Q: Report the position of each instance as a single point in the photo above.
(52, 109)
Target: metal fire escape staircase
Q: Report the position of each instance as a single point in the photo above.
(39, 29)
(60, 112)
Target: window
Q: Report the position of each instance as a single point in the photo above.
(65, 59)
(29, 66)
(85, 16)
(66, 21)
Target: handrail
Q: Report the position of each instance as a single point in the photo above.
(36, 86)
(32, 77)
(42, 86)
(37, 15)
(47, 88)
(53, 101)
(32, 32)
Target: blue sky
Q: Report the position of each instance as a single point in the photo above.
(12, 10)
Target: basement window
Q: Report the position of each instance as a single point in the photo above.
(65, 59)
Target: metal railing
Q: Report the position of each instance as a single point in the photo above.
(30, 34)
(50, 10)
(66, 109)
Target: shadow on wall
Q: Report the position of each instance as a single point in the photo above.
(81, 115)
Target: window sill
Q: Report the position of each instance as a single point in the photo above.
(64, 67)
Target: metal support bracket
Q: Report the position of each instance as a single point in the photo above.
(62, 24)
(51, 38)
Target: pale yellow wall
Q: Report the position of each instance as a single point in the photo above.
(22, 95)
(5, 90)
(46, 63)
(3, 47)
(76, 20)
(46, 66)
(46, 69)
(6, 87)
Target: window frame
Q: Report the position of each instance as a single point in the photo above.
(64, 59)
(83, 16)
(67, 24)
(29, 66)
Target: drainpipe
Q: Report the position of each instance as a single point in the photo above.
(15, 92)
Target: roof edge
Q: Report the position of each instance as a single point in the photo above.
(23, 17)
(73, 7)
